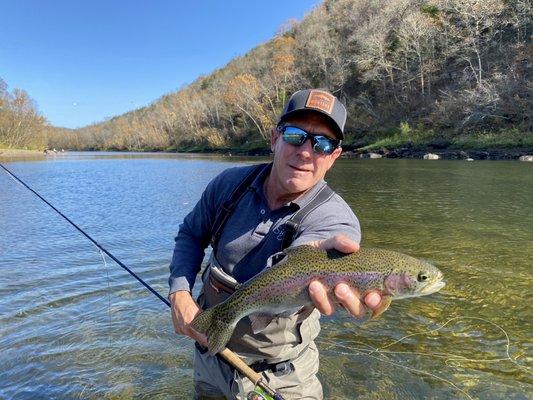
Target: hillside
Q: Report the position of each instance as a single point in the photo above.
(442, 73)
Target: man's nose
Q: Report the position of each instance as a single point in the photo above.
(306, 149)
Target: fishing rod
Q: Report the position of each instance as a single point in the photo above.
(227, 354)
(99, 246)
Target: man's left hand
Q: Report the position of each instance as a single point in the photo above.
(349, 297)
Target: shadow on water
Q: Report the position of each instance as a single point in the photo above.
(72, 327)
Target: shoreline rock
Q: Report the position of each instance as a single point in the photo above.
(431, 156)
(447, 154)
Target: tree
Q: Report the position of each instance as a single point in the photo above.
(416, 37)
(475, 25)
(20, 123)
(244, 93)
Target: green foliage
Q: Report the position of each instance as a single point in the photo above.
(424, 139)
(394, 43)
(405, 129)
(204, 84)
(403, 136)
(429, 9)
(508, 138)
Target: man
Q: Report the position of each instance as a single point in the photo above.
(263, 203)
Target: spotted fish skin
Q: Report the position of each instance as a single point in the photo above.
(283, 287)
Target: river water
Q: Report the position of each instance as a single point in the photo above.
(75, 327)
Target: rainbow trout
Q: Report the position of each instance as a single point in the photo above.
(282, 288)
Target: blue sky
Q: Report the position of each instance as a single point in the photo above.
(84, 61)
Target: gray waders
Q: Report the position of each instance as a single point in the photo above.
(284, 352)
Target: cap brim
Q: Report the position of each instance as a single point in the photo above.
(338, 132)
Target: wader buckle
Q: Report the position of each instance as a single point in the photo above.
(278, 369)
(220, 281)
(219, 286)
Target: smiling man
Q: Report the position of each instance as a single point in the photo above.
(248, 215)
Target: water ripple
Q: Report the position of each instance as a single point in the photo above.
(70, 327)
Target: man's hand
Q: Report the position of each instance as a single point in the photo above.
(348, 296)
(183, 311)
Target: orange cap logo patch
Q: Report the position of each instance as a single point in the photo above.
(320, 100)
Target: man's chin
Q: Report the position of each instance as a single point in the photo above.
(297, 185)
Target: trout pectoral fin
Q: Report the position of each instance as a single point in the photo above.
(385, 303)
(305, 312)
(260, 321)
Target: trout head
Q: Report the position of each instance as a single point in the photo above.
(413, 279)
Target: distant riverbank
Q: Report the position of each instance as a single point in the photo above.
(510, 144)
(349, 152)
(400, 152)
(445, 154)
(20, 153)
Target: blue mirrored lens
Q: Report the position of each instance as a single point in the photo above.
(323, 145)
(294, 136)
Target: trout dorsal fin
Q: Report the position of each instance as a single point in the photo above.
(303, 250)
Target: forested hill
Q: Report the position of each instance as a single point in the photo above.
(451, 72)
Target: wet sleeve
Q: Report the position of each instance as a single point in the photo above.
(193, 238)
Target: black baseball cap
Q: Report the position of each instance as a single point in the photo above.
(320, 101)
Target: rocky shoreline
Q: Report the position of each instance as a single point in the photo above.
(522, 154)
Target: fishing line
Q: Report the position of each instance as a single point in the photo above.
(453, 357)
(98, 246)
(384, 359)
(108, 294)
(108, 285)
(450, 360)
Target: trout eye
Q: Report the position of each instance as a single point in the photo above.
(422, 277)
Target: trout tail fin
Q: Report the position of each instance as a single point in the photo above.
(217, 330)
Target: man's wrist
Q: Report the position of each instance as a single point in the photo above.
(179, 283)
(178, 295)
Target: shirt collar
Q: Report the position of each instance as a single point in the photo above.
(302, 201)
(257, 186)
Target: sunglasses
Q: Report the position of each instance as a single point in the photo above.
(297, 136)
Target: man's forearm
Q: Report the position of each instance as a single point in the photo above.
(186, 261)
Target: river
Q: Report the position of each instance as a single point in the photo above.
(75, 325)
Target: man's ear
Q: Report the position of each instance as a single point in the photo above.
(274, 136)
(336, 154)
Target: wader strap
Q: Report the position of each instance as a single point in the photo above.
(293, 224)
(220, 281)
(229, 205)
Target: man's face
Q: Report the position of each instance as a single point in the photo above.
(296, 169)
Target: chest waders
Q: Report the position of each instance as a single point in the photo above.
(289, 336)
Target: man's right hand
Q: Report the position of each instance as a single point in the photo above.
(184, 309)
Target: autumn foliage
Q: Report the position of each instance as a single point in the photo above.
(21, 126)
(455, 67)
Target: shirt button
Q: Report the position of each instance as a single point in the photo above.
(262, 211)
